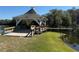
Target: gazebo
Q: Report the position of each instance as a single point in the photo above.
(30, 19)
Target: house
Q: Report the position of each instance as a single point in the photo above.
(30, 19)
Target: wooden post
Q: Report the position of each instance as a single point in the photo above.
(3, 31)
(32, 30)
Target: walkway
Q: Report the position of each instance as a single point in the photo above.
(16, 34)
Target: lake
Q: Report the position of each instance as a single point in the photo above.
(74, 46)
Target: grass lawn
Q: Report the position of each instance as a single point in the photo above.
(48, 41)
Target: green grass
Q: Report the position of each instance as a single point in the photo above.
(46, 42)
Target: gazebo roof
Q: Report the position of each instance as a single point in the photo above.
(31, 14)
(31, 11)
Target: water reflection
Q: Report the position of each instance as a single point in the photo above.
(75, 46)
(66, 38)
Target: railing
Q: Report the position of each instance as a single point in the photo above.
(9, 29)
(61, 28)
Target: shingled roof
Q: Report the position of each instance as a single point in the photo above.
(31, 11)
(30, 16)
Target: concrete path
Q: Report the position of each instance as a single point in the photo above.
(16, 34)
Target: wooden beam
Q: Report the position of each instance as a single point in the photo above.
(17, 22)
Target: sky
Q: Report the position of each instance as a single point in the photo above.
(8, 12)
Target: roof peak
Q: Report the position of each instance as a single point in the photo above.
(31, 11)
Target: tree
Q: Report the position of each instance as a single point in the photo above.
(67, 20)
(55, 18)
(50, 21)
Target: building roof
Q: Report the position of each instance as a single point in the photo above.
(31, 11)
(31, 14)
